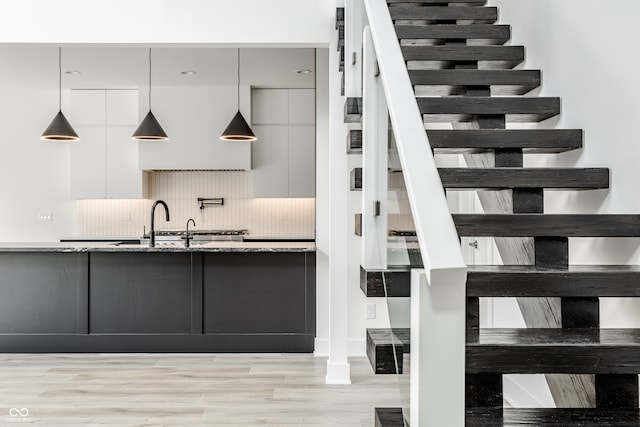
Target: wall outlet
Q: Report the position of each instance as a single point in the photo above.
(46, 216)
(371, 311)
(126, 217)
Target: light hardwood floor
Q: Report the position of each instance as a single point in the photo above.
(187, 390)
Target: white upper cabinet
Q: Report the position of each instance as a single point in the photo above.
(284, 155)
(194, 117)
(302, 107)
(104, 162)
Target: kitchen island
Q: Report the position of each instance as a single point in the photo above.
(100, 297)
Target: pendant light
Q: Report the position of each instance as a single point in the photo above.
(238, 129)
(59, 129)
(149, 129)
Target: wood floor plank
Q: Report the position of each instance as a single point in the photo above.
(189, 389)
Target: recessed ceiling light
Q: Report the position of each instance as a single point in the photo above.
(73, 72)
(304, 71)
(188, 72)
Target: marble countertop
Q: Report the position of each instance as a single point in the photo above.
(110, 247)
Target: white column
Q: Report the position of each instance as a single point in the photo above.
(437, 351)
(338, 369)
(375, 161)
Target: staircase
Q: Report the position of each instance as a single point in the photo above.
(466, 78)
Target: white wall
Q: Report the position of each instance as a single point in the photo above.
(587, 50)
(254, 22)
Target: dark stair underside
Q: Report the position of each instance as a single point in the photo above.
(581, 417)
(483, 33)
(547, 225)
(562, 351)
(487, 56)
(503, 82)
(486, 15)
(469, 108)
(389, 417)
(439, 2)
(529, 140)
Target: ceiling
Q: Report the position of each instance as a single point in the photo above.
(128, 67)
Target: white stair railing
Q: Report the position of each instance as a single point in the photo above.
(437, 291)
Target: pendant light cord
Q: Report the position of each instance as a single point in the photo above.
(149, 79)
(60, 78)
(238, 79)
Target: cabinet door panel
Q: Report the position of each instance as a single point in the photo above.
(122, 107)
(88, 107)
(302, 106)
(255, 293)
(270, 161)
(140, 293)
(270, 106)
(302, 161)
(88, 164)
(124, 179)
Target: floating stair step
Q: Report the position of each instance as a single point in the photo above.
(456, 2)
(485, 15)
(505, 178)
(355, 179)
(502, 82)
(530, 281)
(547, 225)
(565, 417)
(469, 108)
(560, 351)
(385, 348)
(341, 58)
(393, 282)
(353, 110)
(339, 17)
(488, 56)
(530, 141)
(354, 141)
(389, 417)
(484, 33)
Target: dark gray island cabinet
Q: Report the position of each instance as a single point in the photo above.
(157, 301)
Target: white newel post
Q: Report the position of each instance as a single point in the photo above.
(375, 160)
(437, 351)
(354, 22)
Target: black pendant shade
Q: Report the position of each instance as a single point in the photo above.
(59, 130)
(238, 130)
(149, 130)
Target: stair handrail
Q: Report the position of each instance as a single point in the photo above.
(439, 243)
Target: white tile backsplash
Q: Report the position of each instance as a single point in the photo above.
(180, 189)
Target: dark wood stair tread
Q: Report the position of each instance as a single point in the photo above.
(548, 225)
(353, 110)
(385, 349)
(354, 141)
(389, 417)
(468, 108)
(507, 178)
(487, 33)
(469, 2)
(468, 14)
(504, 178)
(502, 82)
(564, 417)
(498, 56)
(391, 282)
(532, 281)
(563, 351)
(529, 140)
(339, 17)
